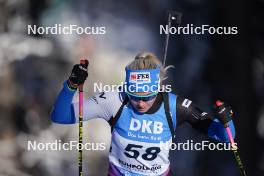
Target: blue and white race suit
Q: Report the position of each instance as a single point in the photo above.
(136, 138)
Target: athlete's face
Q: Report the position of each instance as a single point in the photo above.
(142, 105)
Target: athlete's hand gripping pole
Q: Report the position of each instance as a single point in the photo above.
(83, 66)
(224, 114)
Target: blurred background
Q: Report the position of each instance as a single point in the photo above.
(207, 67)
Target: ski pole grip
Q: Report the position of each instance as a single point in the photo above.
(219, 104)
(84, 62)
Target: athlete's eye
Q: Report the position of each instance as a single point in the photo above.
(135, 98)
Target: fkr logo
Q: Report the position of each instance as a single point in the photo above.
(146, 126)
(139, 77)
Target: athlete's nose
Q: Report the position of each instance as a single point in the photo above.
(141, 103)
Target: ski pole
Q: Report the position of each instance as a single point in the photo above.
(80, 156)
(233, 145)
(172, 15)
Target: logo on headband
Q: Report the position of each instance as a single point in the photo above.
(139, 77)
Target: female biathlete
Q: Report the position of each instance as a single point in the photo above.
(141, 117)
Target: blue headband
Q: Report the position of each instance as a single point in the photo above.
(142, 81)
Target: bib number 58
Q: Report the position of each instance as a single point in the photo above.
(149, 155)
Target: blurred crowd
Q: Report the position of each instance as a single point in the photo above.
(33, 68)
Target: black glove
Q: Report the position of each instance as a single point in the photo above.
(224, 112)
(78, 75)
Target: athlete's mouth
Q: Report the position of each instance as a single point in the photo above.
(140, 109)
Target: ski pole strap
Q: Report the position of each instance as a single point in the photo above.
(168, 115)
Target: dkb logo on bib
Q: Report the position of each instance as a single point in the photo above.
(146, 126)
